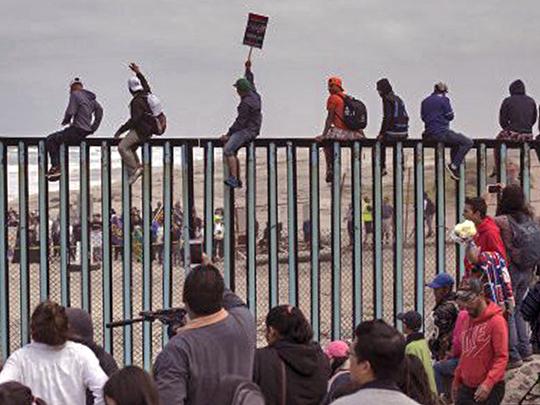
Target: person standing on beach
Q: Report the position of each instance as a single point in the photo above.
(395, 122)
(144, 111)
(335, 126)
(245, 128)
(437, 113)
(517, 117)
(82, 107)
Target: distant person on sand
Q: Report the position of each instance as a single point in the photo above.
(335, 126)
(78, 121)
(395, 122)
(146, 119)
(437, 114)
(517, 117)
(245, 128)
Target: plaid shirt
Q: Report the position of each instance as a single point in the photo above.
(498, 286)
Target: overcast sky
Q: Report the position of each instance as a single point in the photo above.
(191, 52)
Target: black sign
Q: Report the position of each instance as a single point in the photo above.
(255, 30)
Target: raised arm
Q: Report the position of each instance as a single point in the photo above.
(249, 74)
(137, 70)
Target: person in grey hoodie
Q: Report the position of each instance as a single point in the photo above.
(78, 121)
(245, 128)
(517, 117)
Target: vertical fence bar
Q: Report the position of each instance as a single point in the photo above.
(106, 265)
(460, 204)
(23, 243)
(186, 224)
(251, 204)
(209, 199)
(525, 168)
(64, 226)
(273, 242)
(315, 239)
(398, 228)
(440, 219)
(502, 164)
(377, 234)
(356, 157)
(43, 194)
(126, 266)
(4, 266)
(336, 243)
(292, 225)
(168, 157)
(419, 226)
(147, 253)
(481, 164)
(228, 223)
(85, 232)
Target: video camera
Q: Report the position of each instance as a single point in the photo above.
(174, 318)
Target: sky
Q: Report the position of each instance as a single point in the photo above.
(192, 52)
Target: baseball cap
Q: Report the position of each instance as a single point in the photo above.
(76, 80)
(337, 349)
(134, 84)
(471, 289)
(412, 319)
(243, 84)
(441, 280)
(336, 81)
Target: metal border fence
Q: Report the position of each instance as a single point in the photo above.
(357, 270)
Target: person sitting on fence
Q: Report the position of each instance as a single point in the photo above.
(517, 117)
(81, 330)
(377, 355)
(245, 128)
(142, 124)
(415, 383)
(218, 340)
(292, 369)
(336, 127)
(437, 113)
(14, 393)
(395, 121)
(78, 121)
(55, 369)
(131, 386)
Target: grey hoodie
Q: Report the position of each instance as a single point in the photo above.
(82, 105)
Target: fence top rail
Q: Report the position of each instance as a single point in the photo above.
(259, 142)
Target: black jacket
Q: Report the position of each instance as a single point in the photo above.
(393, 123)
(518, 112)
(444, 317)
(140, 112)
(249, 110)
(306, 368)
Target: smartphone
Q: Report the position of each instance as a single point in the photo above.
(493, 188)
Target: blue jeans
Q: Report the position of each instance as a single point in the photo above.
(459, 145)
(518, 329)
(444, 374)
(237, 140)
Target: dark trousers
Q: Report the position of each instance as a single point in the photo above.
(465, 395)
(389, 139)
(459, 144)
(69, 136)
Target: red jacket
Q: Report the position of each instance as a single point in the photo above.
(484, 349)
(488, 239)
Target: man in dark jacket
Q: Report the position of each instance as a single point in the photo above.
(517, 117)
(139, 125)
(78, 118)
(395, 122)
(443, 317)
(437, 114)
(245, 128)
(81, 331)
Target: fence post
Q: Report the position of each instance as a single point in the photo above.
(209, 199)
(84, 196)
(398, 228)
(147, 253)
(187, 206)
(64, 226)
(251, 219)
(356, 157)
(315, 239)
(168, 160)
(419, 226)
(460, 204)
(481, 159)
(378, 292)
(43, 193)
(23, 244)
(273, 242)
(525, 168)
(292, 225)
(127, 263)
(106, 237)
(441, 209)
(4, 266)
(336, 242)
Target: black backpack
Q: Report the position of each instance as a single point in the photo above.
(526, 240)
(354, 113)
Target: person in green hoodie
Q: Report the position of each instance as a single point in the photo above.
(417, 344)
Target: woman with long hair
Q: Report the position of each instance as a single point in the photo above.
(14, 393)
(131, 386)
(415, 383)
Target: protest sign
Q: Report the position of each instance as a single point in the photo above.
(255, 30)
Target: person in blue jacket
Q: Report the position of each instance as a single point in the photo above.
(437, 113)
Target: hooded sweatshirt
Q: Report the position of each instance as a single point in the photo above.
(306, 371)
(82, 106)
(488, 239)
(518, 112)
(249, 116)
(484, 349)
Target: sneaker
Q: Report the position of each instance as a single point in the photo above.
(136, 174)
(53, 174)
(233, 182)
(454, 173)
(514, 364)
